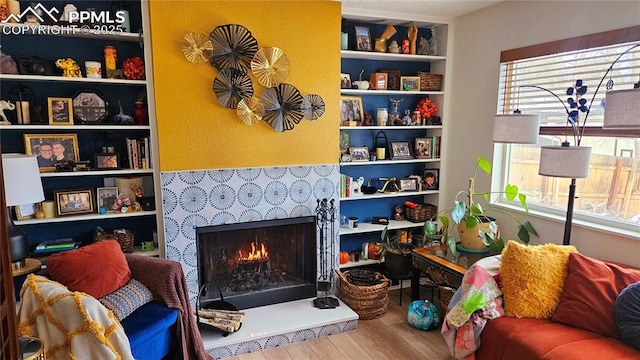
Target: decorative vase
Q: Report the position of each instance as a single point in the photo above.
(140, 113)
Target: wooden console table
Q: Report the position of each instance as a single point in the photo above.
(441, 271)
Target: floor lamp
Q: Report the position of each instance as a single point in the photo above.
(622, 111)
(22, 186)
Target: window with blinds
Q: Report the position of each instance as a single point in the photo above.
(611, 193)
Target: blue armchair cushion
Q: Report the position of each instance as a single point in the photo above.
(127, 299)
(151, 331)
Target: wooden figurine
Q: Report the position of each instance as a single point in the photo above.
(412, 33)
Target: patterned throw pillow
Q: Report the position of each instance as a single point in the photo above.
(127, 299)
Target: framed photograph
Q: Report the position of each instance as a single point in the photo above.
(344, 141)
(410, 83)
(74, 202)
(423, 148)
(26, 211)
(359, 153)
(106, 161)
(351, 108)
(409, 184)
(50, 148)
(379, 81)
(60, 111)
(89, 106)
(430, 179)
(106, 197)
(363, 38)
(400, 150)
(345, 81)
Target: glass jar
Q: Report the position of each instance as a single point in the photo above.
(382, 116)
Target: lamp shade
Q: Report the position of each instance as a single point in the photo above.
(22, 183)
(622, 109)
(516, 129)
(565, 161)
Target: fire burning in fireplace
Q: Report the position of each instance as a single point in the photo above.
(258, 253)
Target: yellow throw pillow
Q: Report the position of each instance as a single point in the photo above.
(533, 278)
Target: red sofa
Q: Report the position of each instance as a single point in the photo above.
(582, 326)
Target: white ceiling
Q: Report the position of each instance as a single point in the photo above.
(438, 8)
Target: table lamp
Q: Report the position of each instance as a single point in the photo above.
(22, 186)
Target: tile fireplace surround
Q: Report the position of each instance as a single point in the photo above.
(226, 196)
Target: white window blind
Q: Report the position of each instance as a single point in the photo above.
(557, 72)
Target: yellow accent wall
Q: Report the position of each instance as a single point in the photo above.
(196, 132)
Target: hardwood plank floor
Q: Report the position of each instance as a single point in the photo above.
(388, 337)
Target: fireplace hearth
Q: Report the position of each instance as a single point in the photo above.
(258, 263)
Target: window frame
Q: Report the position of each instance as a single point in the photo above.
(502, 151)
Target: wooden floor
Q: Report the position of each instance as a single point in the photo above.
(387, 337)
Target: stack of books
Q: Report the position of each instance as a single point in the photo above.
(53, 246)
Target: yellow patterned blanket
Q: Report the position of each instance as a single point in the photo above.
(73, 325)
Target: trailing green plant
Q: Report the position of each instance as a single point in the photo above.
(473, 213)
(392, 244)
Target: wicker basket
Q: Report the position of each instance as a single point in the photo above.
(369, 302)
(422, 213)
(430, 81)
(124, 239)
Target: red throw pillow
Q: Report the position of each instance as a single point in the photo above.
(589, 292)
(97, 269)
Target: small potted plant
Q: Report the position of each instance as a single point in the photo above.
(471, 219)
(397, 255)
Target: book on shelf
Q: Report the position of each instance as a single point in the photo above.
(51, 246)
(138, 153)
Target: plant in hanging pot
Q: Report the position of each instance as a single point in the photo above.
(478, 231)
(397, 255)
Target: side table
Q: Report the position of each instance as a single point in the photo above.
(31, 265)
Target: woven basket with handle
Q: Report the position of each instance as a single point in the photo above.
(125, 240)
(430, 81)
(368, 301)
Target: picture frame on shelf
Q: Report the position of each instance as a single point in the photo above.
(359, 153)
(409, 184)
(393, 79)
(90, 106)
(400, 150)
(345, 81)
(74, 202)
(410, 83)
(423, 148)
(106, 161)
(26, 211)
(431, 179)
(363, 38)
(50, 148)
(60, 111)
(106, 197)
(351, 109)
(378, 81)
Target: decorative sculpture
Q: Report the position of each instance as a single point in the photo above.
(412, 33)
(70, 67)
(5, 105)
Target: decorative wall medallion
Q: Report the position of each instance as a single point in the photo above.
(312, 106)
(233, 47)
(231, 86)
(283, 107)
(271, 66)
(197, 48)
(250, 111)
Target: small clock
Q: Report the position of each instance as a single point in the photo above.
(90, 107)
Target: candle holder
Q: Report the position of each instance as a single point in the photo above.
(25, 101)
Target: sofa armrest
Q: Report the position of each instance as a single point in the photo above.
(152, 272)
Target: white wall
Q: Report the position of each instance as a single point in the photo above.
(477, 42)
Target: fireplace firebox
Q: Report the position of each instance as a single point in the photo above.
(258, 263)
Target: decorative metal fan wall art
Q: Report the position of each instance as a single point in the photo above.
(250, 111)
(231, 86)
(312, 106)
(197, 48)
(283, 107)
(233, 47)
(271, 66)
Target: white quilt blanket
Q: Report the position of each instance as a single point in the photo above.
(73, 325)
